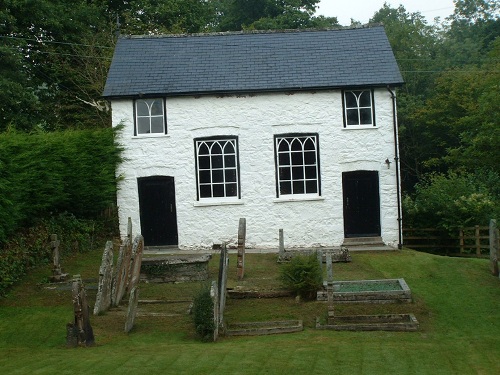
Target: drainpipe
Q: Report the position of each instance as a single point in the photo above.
(396, 160)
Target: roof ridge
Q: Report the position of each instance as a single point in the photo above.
(254, 32)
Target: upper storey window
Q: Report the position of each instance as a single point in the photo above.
(149, 116)
(358, 108)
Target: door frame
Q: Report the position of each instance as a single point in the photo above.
(158, 210)
(362, 217)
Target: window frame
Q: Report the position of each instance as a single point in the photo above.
(345, 109)
(164, 118)
(304, 179)
(224, 169)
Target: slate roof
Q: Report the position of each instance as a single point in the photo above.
(251, 62)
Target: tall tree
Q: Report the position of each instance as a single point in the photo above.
(237, 15)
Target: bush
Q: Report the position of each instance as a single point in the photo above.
(31, 247)
(303, 275)
(453, 201)
(203, 314)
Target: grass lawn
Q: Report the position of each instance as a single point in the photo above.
(456, 301)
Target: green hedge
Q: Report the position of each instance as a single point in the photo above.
(42, 175)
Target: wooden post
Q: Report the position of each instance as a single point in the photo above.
(494, 247)
(462, 241)
(478, 240)
(242, 232)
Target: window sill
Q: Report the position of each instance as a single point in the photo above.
(154, 135)
(298, 198)
(217, 202)
(358, 127)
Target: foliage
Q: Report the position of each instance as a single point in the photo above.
(49, 173)
(31, 247)
(454, 200)
(235, 15)
(303, 275)
(203, 314)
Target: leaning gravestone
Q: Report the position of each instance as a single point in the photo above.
(132, 308)
(223, 266)
(137, 250)
(215, 301)
(103, 297)
(242, 232)
(122, 269)
(80, 331)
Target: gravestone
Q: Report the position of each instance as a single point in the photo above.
(57, 274)
(214, 293)
(242, 232)
(494, 247)
(222, 282)
(103, 297)
(80, 331)
(137, 251)
(132, 308)
(122, 269)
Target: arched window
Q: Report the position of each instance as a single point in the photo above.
(297, 164)
(217, 167)
(358, 108)
(149, 116)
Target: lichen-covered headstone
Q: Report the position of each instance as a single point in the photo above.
(137, 251)
(214, 293)
(57, 274)
(80, 331)
(242, 232)
(223, 267)
(122, 269)
(132, 308)
(103, 297)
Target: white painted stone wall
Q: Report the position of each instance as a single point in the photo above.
(255, 119)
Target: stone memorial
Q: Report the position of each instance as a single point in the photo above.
(57, 274)
(222, 282)
(103, 297)
(132, 308)
(80, 331)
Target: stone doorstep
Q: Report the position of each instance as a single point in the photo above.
(152, 250)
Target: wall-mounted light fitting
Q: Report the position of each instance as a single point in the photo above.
(388, 162)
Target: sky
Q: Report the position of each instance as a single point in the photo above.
(363, 10)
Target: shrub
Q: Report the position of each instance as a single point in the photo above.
(31, 247)
(303, 275)
(453, 201)
(203, 314)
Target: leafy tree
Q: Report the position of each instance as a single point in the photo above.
(450, 201)
(269, 14)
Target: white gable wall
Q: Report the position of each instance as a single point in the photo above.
(255, 119)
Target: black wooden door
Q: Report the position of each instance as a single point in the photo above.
(157, 210)
(361, 204)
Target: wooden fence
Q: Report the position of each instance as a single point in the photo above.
(472, 241)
